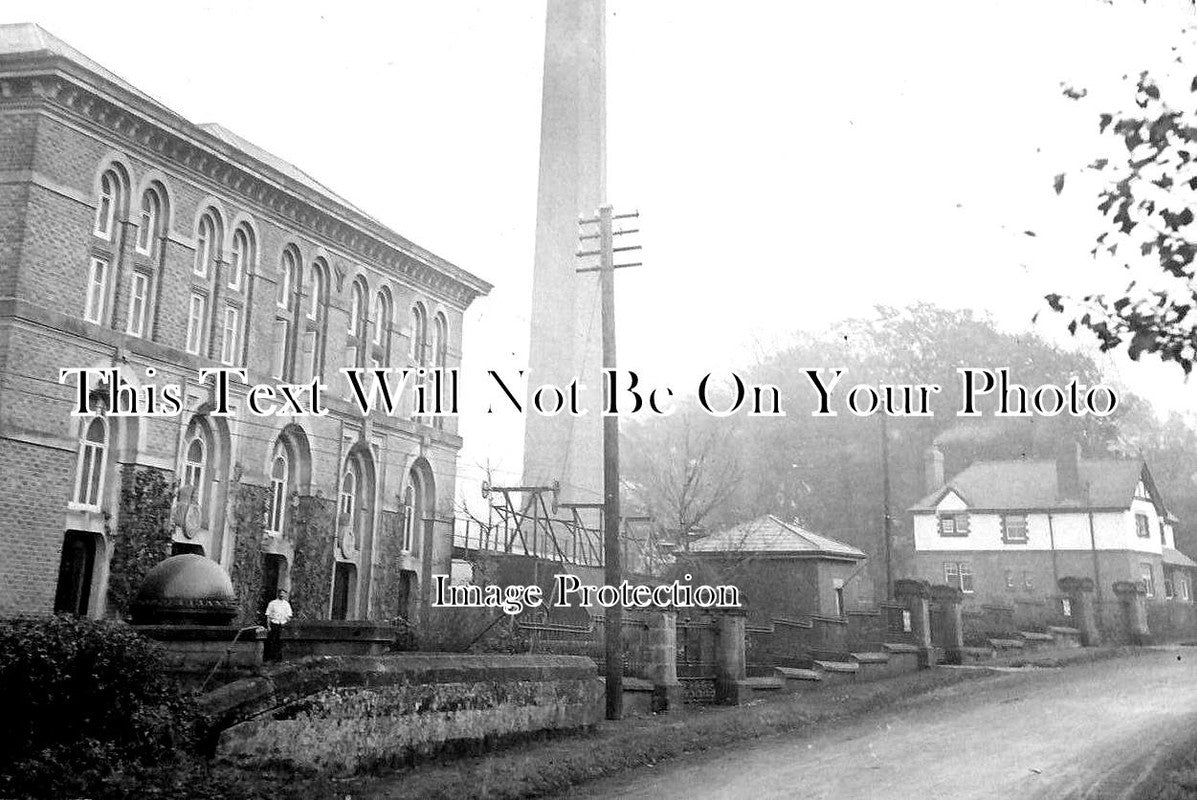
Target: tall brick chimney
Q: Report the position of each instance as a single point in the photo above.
(933, 468)
(1068, 470)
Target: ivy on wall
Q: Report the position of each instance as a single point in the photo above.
(250, 504)
(143, 532)
(386, 596)
(312, 529)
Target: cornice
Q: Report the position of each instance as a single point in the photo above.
(152, 128)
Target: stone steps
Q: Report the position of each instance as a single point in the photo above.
(1006, 644)
(976, 655)
(834, 672)
(1037, 639)
(765, 684)
(1065, 637)
(797, 679)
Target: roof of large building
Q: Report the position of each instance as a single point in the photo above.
(1026, 484)
(769, 534)
(29, 39)
(282, 165)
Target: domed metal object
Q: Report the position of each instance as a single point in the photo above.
(186, 589)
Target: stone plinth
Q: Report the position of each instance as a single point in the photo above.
(1084, 616)
(199, 648)
(731, 669)
(1133, 597)
(916, 596)
(662, 663)
(951, 638)
(337, 638)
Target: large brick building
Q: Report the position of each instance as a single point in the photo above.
(133, 239)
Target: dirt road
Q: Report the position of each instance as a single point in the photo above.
(1087, 731)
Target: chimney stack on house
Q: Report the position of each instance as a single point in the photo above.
(1068, 470)
(933, 465)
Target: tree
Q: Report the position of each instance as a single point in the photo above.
(683, 470)
(1150, 187)
(828, 471)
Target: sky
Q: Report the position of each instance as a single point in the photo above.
(793, 163)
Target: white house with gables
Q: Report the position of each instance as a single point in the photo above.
(1006, 531)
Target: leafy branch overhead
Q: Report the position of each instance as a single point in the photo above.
(1146, 203)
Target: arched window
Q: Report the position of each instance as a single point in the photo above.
(286, 278)
(285, 315)
(440, 354)
(316, 292)
(207, 245)
(242, 256)
(148, 227)
(380, 340)
(418, 501)
(139, 301)
(278, 491)
(350, 484)
(382, 317)
(194, 468)
(409, 518)
(108, 203)
(311, 342)
(89, 473)
(356, 302)
(440, 341)
(419, 335)
(97, 290)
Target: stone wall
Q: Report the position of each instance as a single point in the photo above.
(348, 713)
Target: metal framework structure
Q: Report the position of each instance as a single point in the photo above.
(528, 520)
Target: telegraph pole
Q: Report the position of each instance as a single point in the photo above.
(612, 556)
(888, 522)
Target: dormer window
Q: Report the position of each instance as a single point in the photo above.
(953, 524)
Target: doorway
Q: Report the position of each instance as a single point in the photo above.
(344, 580)
(75, 573)
(407, 594)
(274, 568)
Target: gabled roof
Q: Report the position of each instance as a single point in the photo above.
(769, 534)
(1031, 485)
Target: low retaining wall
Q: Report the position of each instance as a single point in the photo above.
(346, 713)
(337, 638)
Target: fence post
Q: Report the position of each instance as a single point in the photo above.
(915, 595)
(662, 662)
(1133, 596)
(731, 669)
(1084, 616)
(950, 599)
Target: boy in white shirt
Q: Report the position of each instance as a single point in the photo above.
(278, 614)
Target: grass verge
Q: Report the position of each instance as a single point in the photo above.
(549, 768)
(549, 765)
(1174, 777)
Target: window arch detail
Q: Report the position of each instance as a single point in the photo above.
(90, 468)
(112, 192)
